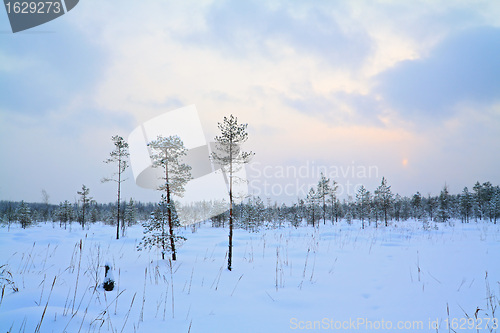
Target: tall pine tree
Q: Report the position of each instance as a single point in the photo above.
(119, 156)
(166, 154)
(229, 156)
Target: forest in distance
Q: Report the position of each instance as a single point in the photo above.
(320, 205)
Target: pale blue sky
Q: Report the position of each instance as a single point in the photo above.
(412, 88)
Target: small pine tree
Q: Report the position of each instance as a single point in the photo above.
(496, 204)
(416, 203)
(10, 214)
(311, 206)
(94, 213)
(86, 200)
(478, 200)
(282, 215)
(65, 213)
(444, 205)
(156, 229)
(363, 204)
(465, 202)
(45, 201)
(130, 213)
(384, 198)
(24, 215)
(431, 206)
(334, 202)
(323, 189)
(349, 216)
(295, 216)
(488, 194)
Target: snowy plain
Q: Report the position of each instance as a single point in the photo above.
(400, 278)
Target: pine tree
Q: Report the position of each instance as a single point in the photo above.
(488, 193)
(94, 213)
(65, 213)
(167, 154)
(311, 205)
(384, 198)
(397, 207)
(260, 211)
(24, 215)
(230, 157)
(349, 216)
(334, 202)
(130, 213)
(85, 199)
(406, 211)
(465, 205)
(217, 217)
(248, 214)
(363, 204)
(478, 200)
(431, 206)
(495, 202)
(323, 190)
(374, 210)
(10, 215)
(282, 215)
(416, 203)
(155, 229)
(45, 201)
(119, 156)
(444, 205)
(295, 216)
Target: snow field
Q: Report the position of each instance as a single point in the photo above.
(337, 278)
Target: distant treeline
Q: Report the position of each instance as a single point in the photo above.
(320, 206)
(66, 212)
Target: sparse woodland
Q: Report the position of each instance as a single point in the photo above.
(377, 207)
(322, 252)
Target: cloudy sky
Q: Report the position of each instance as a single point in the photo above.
(409, 90)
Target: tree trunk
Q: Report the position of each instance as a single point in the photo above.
(163, 235)
(324, 210)
(385, 216)
(333, 211)
(313, 217)
(118, 205)
(83, 214)
(170, 226)
(230, 252)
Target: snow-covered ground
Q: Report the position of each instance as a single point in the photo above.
(402, 277)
